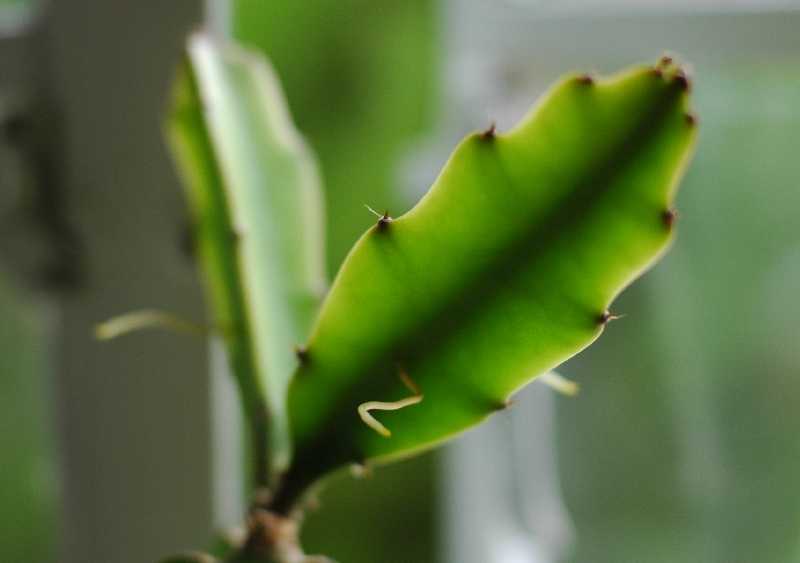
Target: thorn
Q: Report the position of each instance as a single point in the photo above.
(669, 216)
(683, 81)
(504, 405)
(691, 119)
(302, 354)
(410, 384)
(665, 60)
(489, 133)
(585, 79)
(360, 470)
(607, 317)
(236, 234)
(383, 220)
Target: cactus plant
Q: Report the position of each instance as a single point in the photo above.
(505, 268)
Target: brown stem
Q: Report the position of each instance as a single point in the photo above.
(273, 538)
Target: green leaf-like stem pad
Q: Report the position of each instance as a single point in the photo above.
(502, 271)
(256, 204)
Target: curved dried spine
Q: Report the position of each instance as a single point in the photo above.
(372, 422)
(559, 383)
(144, 319)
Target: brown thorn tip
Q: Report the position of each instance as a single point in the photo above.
(607, 317)
(384, 220)
(683, 81)
(668, 216)
(691, 119)
(489, 133)
(665, 60)
(586, 79)
(302, 354)
(504, 405)
(360, 470)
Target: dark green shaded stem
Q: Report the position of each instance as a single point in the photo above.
(260, 436)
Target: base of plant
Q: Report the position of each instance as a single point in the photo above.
(273, 538)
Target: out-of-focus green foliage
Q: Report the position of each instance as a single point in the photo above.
(360, 77)
(28, 490)
(256, 203)
(503, 270)
(15, 14)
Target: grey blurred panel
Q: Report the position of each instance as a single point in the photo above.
(133, 413)
(498, 59)
(227, 442)
(502, 502)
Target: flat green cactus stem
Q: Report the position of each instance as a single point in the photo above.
(257, 210)
(505, 269)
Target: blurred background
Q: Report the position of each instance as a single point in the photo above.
(683, 444)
